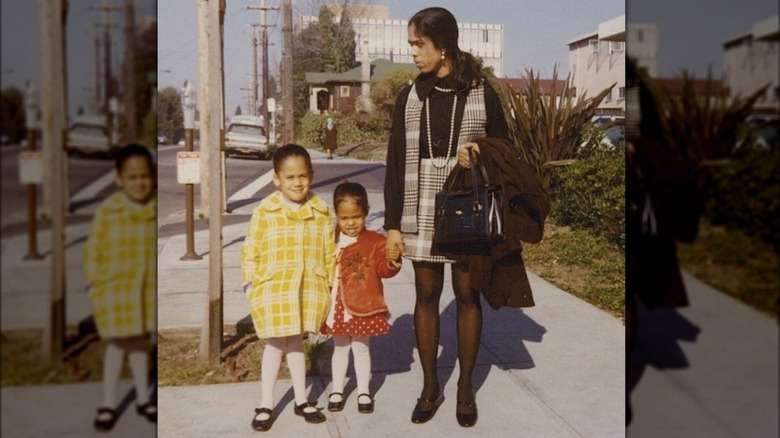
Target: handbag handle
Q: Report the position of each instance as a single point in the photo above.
(473, 168)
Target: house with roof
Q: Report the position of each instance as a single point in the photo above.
(348, 91)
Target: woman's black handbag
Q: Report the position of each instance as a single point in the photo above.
(472, 216)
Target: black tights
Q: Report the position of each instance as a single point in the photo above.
(429, 281)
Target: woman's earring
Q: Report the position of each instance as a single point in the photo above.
(442, 55)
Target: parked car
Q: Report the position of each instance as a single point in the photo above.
(246, 136)
(88, 135)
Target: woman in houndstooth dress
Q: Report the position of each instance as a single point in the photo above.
(434, 122)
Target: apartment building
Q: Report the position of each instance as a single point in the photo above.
(597, 60)
(642, 45)
(388, 38)
(750, 61)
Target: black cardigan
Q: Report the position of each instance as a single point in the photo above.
(440, 115)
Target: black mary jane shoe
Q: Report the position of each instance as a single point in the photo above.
(470, 418)
(366, 408)
(310, 417)
(421, 414)
(336, 406)
(106, 418)
(147, 410)
(263, 425)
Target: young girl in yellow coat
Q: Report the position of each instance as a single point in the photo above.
(120, 271)
(287, 264)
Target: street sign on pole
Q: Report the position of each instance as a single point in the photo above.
(31, 167)
(188, 167)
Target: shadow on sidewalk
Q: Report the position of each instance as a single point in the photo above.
(659, 333)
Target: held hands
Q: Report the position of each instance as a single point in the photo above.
(394, 248)
(463, 154)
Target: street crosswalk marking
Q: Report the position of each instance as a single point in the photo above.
(250, 189)
(92, 190)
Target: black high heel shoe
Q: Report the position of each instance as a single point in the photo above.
(469, 418)
(421, 414)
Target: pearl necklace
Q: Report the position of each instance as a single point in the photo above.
(452, 128)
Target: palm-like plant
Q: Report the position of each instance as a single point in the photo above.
(702, 123)
(548, 128)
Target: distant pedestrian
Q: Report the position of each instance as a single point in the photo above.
(330, 136)
(287, 264)
(120, 271)
(358, 308)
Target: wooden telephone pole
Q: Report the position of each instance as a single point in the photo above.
(264, 43)
(211, 115)
(53, 108)
(288, 119)
(130, 126)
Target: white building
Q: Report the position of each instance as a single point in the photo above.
(597, 60)
(389, 39)
(642, 45)
(750, 61)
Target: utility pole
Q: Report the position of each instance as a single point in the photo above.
(98, 99)
(53, 105)
(131, 125)
(109, 91)
(265, 44)
(288, 128)
(210, 91)
(253, 105)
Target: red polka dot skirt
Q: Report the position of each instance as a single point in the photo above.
(358, 325)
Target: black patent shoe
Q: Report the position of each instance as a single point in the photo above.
(469, 418)
(426, 408)
(147, 410)
(106, 418)
(263, 425)
(366, 408)
(310, 417)
(336, 406)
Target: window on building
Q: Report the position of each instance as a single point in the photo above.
(608, 97)
(485, 35)
(615, 47)
(622, 93)
(344, 91)
(640, 35)
(594, 45)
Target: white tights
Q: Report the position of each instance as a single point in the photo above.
(340, 362)
(112, 369)
(296, 362)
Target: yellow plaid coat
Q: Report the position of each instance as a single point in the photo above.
(120, 261)
(289, 257)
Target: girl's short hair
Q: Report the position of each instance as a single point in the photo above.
(290, 150)
(133, 150)
(350, 190)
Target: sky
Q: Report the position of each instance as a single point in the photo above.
(20, 21)
(691, 32)
(535, 32)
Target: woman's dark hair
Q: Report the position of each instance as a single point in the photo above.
(290, 150)
(440, 26)
(133, 150)
(350, 190)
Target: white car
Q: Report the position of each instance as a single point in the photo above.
(246, 136)
(88, 136)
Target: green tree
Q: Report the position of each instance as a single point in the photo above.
(12, 117)
(385, 91)
(170, 115)
(324, 46)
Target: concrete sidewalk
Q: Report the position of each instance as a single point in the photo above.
(556, 369)
(553, 370)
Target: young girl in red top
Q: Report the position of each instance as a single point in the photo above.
(358, 309)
